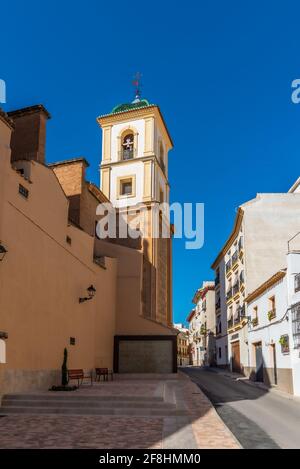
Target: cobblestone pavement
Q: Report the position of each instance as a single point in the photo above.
(196, 426)
(80, 432)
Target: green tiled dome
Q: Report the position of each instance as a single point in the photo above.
(130, 106)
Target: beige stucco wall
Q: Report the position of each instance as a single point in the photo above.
(41, 280)
(269, 222)
(129, 318)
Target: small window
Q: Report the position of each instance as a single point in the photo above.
(68, 240)
(72, 341)
(272, 303)
(23, 191)
(161, 196)
(161, 156)
(220, 352)
(126, 187)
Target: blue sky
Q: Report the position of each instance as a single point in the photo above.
(220, 71)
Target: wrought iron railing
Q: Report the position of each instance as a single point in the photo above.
(254, 322)
(229, 294)
(296, 325)
(230, 323)
(234, 257)
(127, 154)
(272, 314)
(242, 277)
(228, 265)
(239, 315)
(297, 282)
(235, 288)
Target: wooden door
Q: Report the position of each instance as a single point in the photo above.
(236, 358)
(259, 376)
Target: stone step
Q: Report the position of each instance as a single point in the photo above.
(117, 411)
(74, 402)
(71, 395)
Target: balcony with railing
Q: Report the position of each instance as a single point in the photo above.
(228, 265)
(218, 304)
(229, 294)
(242, 277)
(297, 283)
(254, 322)
(127, 154)
(235, 288)
(237, 318)
(234, 258)
(272, 314)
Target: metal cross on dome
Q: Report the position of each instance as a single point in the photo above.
(137, 84)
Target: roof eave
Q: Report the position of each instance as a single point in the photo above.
(230, 240)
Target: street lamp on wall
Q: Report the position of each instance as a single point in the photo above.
(91, 293)
(3, 251)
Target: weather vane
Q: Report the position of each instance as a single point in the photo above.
(137, 85)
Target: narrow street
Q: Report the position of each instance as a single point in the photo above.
(258, 419)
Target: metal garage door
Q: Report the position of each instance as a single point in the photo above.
(145, 355)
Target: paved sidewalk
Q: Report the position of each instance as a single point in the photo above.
(191, 422)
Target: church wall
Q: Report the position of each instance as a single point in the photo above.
(41, 279)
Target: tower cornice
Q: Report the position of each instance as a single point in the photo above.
(131, 114)
(109, 164)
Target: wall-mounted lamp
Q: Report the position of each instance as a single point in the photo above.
(3, 251)
(91, 292)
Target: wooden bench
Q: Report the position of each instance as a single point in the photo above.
(105, 372)
(79, 376)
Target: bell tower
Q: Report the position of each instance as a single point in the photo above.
(134, 170)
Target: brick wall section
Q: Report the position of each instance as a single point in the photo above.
(29, 137)
(71, 176)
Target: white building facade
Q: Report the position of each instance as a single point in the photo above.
(254, 250)
(202, 322)
(274, 329)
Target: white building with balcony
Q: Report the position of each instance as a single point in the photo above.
(255, 249)
(202, 323)
(274, 328)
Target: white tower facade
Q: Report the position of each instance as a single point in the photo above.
(134, 170)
